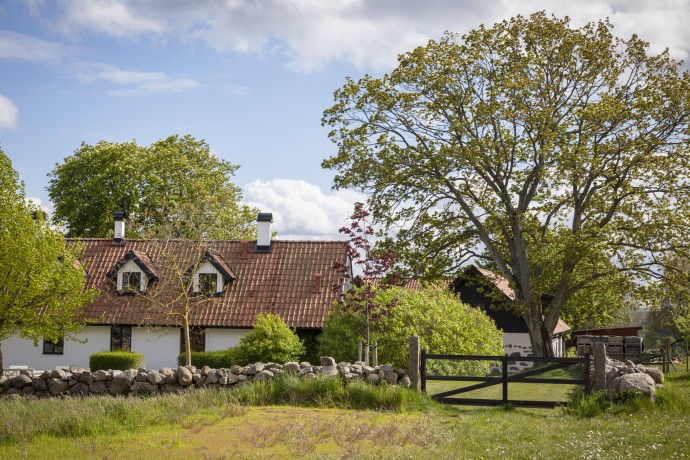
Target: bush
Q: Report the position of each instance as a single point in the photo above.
(214, 359)
(271, 340)
(443, 323)
(116, 360)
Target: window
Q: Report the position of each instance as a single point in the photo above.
(53, 347)
(208, 283)
(131, 282)
(120, 338)
(197, 339)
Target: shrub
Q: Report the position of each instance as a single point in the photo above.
(116, 360)
(443, 323)
(271, 340)
(214, 359)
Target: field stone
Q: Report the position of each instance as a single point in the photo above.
(327, 361)
(142, 376)
(57, 386)
(98, 387)
(87, 377)
(291, 367)
(184, 376)
(391, 377)
(21, 381)
(144, 388)
(12, 391)
(28, 391)
(119, 386)
(171, 388)
(329, 370)
(169, 375)
(211, 377)
(656, 374)
(130, 375)
(39, 384)
(373, 378)
(405, 381)
(206, 370)
(638, 382)
(235, 369)
(264, 375)
(155, 377)
(79, 389)
(100, 375)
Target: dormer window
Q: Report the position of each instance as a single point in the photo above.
(131, 282)
(133, 274)
(208, 283)
(211, 275)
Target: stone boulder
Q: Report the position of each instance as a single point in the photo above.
(185, 377)
(119, 386)
(291, 368)
(57, 386)
(656, 374)
(637, 382)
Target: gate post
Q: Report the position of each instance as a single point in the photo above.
(414, 362)
(599, 366)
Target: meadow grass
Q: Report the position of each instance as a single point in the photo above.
(322, 420)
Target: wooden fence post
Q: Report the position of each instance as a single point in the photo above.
(505, 380)
(585, 375)
(413, 370)
(599, 366)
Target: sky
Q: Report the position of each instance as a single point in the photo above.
(252, 78)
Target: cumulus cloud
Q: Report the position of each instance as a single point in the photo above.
(301, 211)
(132, 82)
(311, 33)
(9, 114)
(23, 47)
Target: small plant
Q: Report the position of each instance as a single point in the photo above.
(116, 360)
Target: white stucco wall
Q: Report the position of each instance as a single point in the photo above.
(17, 351)
(220, 339)
(160, 346)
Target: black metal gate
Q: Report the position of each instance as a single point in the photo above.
(505, 378)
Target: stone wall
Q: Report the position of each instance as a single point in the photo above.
(83, 382)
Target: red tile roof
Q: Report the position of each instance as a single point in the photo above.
(280, 282)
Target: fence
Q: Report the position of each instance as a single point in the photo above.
(543, 365)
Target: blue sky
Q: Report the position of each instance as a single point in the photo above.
(250, 77)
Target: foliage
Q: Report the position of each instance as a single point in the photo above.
(271, 340)
(176, 179)
(310, 339)
(116, 360)
(41, 280)
(442, 322)
(220, 359)
(562, 153)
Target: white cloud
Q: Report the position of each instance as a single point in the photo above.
(23, 47)
(132, 82)
(301, 211)
(311, 33)
(109, 17)
(9, 114)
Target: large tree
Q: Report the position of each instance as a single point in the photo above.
(41, 280)
(561, 153)
(172, 179)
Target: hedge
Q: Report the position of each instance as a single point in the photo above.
(220, 359)
(116, 360)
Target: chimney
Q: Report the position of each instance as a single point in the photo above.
(245, 250)
(119, 238)
(317, 282)
(263, 239)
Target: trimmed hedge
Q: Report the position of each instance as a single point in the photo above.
(220, 359)
(116, 360)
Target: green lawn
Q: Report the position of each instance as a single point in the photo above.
(215, 425)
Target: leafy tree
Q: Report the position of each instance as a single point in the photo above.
(562, 153)
(41, 280)
(173, 179)
(271, 340)
(443, 323)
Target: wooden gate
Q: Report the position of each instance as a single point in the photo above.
(544, 365)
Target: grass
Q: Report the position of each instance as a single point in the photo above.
(227, 424)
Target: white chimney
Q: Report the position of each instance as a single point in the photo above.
(263, 238)
(119, 238)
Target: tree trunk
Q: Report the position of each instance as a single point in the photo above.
(1, 363)
(540, 338)
(187, 345)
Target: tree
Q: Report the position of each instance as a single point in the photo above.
(171, 179)
(41, 280)
(271, 340)
(443, 323)
(375, 265)
(553, 150)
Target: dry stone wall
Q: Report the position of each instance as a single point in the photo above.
(84, 382)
